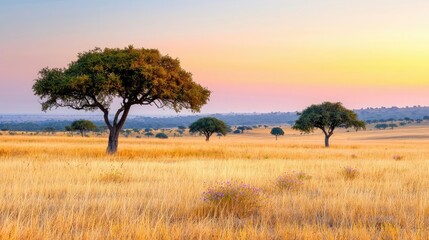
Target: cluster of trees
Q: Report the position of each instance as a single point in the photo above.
(146, 77)
(386, 125)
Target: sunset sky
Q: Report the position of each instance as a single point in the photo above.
(255, 56)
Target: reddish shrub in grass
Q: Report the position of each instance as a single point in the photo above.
(291, 181)
(349, 173)
(234, 198)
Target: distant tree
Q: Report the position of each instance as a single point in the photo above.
(136, 130)
(130, 76)
(50, 130)
(148, 130)
(219, 135)
(68, 128)
(236, 131)
(393, 125)
(426, 118)
(381, 126)
(277, 132)
(149, 134)
(83, 126)
(161, 135)
(126, 132)
(181, 127)
(327, 117)
(243, 128)
(402, 123)
(208, 126)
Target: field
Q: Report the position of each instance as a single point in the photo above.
(59, 187)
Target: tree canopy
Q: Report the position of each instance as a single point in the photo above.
(276, 131)
(327, 117)
(82, 126)
(129, 76)
(161, 135)
(208, 126)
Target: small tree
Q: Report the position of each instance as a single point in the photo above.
(277, 132)
(208, 126)
(161, 135)
(327, 117)
(393, 125)
(50, 130)
(381, 126)
(148, 134)
(82, 126)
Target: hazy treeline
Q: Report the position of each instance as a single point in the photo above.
(275, 118)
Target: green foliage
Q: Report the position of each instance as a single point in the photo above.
(276, 131)
(138, 76)
(132, 76)
(82, 126)
(149, 134)
(208, 126)
(161, 135)
(327, 117)
(381, 126)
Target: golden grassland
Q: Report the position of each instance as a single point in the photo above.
(54, 187)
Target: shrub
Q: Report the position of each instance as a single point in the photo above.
(113, 176)
(291, 181)
(234, 198)
(161, 135)
(398, 157)
(349, 173)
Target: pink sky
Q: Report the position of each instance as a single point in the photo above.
(276, 56)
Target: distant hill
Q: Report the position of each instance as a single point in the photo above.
(40, 122)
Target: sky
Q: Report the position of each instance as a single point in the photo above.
(255, 56)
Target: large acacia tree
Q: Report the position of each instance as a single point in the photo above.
(327, 117)
(129, 76)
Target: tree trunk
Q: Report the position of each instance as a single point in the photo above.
(112, 146)
(276, 137)
(327, 141)
(81, 132)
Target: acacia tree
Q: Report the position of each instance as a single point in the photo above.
(276, 131)
(327, 117)
(128, 76)
(208, 126)
(82, 126)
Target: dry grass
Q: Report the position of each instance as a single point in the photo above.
(55, 187)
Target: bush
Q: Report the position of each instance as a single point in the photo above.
(113, 176)
(234, 198)
(398, 157)
(291, 181)
(349, 173)
(161, 135)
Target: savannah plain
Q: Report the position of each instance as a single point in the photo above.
(62, 187)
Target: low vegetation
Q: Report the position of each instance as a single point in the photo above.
(153, 189)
